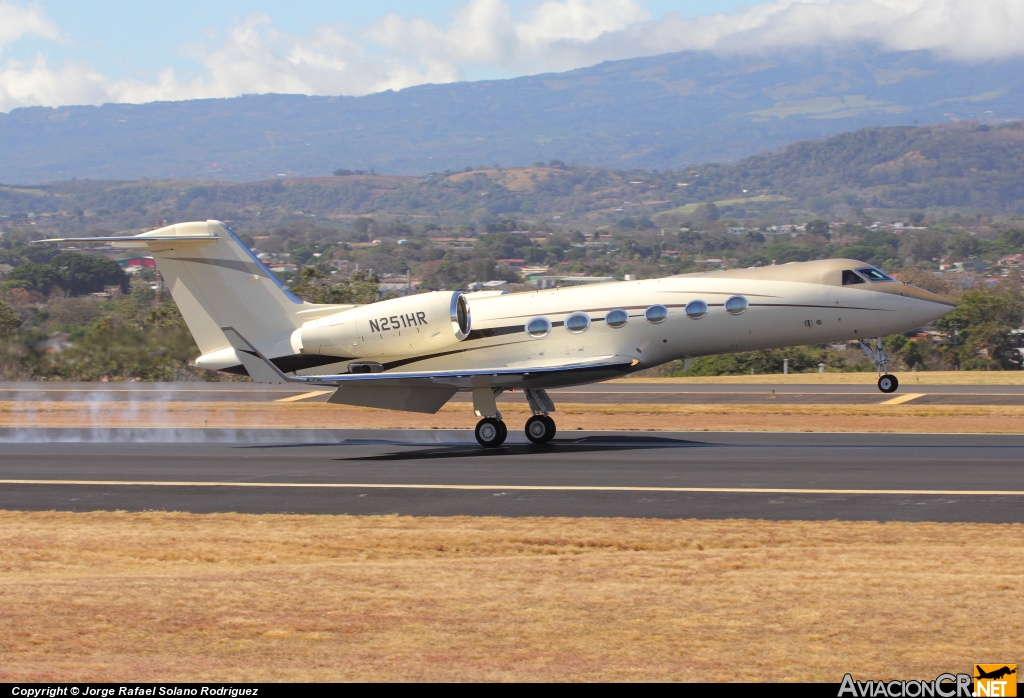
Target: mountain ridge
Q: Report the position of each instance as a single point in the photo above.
(660, 112)
(946, 169)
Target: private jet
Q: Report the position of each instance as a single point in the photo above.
(414, 353)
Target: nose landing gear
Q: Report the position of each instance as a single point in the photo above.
(887, 382)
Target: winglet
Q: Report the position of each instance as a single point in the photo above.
(258, 366)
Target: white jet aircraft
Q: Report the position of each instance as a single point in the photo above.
(415, 353)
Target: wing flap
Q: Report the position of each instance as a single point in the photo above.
(420, 398)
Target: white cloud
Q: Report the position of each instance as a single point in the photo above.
(20, 22)
(36, 83)
(483, 35)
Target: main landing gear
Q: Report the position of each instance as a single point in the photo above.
(887, 382)
(491, 431)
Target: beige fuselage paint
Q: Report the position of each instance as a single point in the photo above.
(218, 282)
(780, 313)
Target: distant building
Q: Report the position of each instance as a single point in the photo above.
(515, 265)
(496, 285)
(399, 287)
(542, 282)
(133, 265)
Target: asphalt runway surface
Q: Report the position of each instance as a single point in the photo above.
(598, 393)
(885, 477)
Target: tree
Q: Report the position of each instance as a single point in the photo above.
(705, 213)
(10, 321)
(81, 274)
(818, 227)
(979, 330)
(40, 278)
(75, 274)
(317, 286)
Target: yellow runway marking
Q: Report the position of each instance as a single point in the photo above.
(902, 398)
(304, 396)
(525, 488)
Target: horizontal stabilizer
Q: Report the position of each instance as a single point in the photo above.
(135, 240)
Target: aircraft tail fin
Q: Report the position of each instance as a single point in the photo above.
(221, 282)
(217, 281)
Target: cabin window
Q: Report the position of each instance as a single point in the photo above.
(656, 314)
(851, 277)
(538, 327)
(577, 322)
(736, 305)
(872, 274)
(617, 318)
(696, 309)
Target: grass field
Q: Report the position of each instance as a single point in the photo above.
(175, 597)
(114, 596)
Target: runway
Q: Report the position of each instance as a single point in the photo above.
(911, 390)
(887, 477)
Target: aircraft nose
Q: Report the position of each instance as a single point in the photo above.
(938, 306)
(923, 295)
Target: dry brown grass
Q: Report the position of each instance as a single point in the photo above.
(905, 418)
(176, 597)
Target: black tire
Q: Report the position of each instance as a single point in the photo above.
(553, 429)
(888, 383)
(490, 432)
(540, 429)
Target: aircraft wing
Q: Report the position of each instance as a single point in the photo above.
(428, 391)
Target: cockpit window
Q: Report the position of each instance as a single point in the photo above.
(850, 277)
(873, 274)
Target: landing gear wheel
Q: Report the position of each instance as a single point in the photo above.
(491, 432)
(551, 423)
(888, 383)
(540, 428)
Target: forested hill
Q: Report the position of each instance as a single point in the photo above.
(961, 165)
(661, 112)
(966, 166)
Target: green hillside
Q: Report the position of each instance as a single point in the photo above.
(976, 169)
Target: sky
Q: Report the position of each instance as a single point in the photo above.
(62, 52)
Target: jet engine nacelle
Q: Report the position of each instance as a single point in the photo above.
(396, 327)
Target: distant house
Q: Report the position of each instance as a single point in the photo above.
(542, 282)
(134, 265)
(400, 287)
(515, 265)
(496, 285)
